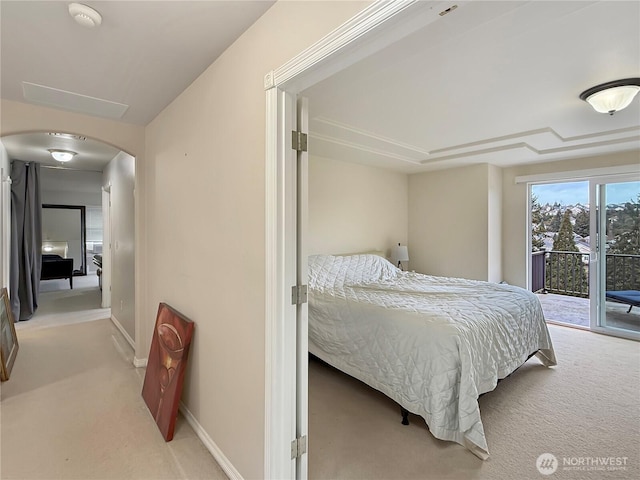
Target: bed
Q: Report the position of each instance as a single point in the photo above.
(432, 344)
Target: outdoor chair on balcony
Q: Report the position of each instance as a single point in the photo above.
(628, 297)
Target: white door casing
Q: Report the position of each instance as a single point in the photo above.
(106, 247)
(5, 226)
(302, 313)
(597, 254)
(376, 27)
(280, 315)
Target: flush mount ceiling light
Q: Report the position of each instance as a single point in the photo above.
(62, 155)
(84, 15)
(613, 96)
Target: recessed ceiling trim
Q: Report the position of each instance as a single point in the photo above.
(530, 133)
(532, 141)
(75, 102)
(363, 148)
(375, 136)
(537, 151)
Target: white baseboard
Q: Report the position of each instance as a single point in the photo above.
(210, 445)
(204, 437)
(124, 333)
(139, 362)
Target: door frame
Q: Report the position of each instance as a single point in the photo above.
(83, 232)
(596, 267)
(106, 246)
(593, 176)
(5, 225)
(377, 26)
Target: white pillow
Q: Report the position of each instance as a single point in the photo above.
(329, 271)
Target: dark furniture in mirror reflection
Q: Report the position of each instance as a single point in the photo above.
(56, 267)
(97, 261)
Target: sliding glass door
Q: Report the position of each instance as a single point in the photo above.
(560, 250)
(614, 268)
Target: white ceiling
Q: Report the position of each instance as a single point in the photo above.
(490, 82)
(91, 155)
(494, 81)
(143, 55)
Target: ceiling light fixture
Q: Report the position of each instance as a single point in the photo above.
(62, 155)
(85, 15)
(613, 96)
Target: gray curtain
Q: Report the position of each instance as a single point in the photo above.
(26, 238)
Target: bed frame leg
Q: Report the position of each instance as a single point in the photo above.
(405, 416)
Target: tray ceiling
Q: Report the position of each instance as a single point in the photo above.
(490, 82)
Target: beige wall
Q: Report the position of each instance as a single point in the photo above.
(17, 117)
(471, 222)
(205, 222)
(514, 226)
(355, 208)
(450, 214)
(120, 176)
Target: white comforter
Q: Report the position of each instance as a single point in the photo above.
(432, 344)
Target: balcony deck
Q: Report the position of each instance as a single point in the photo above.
(575, 311)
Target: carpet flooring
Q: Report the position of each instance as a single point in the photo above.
(60, 305)
(72, 409)
(585, 410)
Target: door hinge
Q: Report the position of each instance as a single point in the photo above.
(298, 447)
(298, 294)
(299, 141)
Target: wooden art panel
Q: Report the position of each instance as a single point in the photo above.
(166, 366)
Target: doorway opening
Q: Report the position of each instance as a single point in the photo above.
(616, 301)
(283, 85)
(65, 225)
(585, 253)
(560, 247)
(80, 184)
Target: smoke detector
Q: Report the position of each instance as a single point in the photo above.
(85, 15)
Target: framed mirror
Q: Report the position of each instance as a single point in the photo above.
(65, 223)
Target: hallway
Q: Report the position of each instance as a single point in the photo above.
(72, 409)
(60, 305)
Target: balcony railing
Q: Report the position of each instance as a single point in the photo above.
(623, 272)
(567, 273)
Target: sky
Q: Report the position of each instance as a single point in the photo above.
(571, 193)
